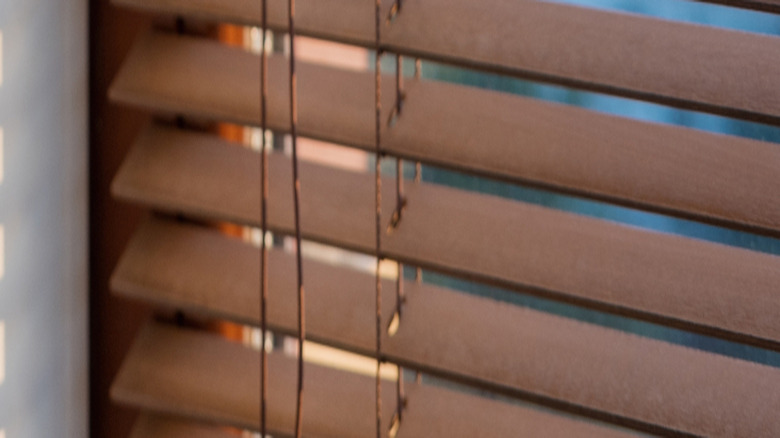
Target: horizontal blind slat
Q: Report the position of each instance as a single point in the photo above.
(197, 375)
(186, 373)
(313, 18)
(715, 70)
(156, 426)
(698, 285)
(549, 359)
(248, 13)
(654, 167)
(716, 179)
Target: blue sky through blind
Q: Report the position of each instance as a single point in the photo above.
(678, 10)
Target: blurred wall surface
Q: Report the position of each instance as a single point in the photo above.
(43, 219)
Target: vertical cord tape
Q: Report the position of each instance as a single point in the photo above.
(378, 230)
(396, 219)
(397, 215)
(264, 225)
(297, 195)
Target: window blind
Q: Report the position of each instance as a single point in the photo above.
(555, 376)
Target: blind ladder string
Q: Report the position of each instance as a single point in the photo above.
(418, 179)
(378, 207)
(399, 289)
(395, 423)
(297, 195)
(264, 223)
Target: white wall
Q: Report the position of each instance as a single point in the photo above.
(43, 214)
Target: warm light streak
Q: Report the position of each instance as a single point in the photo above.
(342, 360)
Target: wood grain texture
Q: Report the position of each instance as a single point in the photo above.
(201, 376)
(160, 426)
(712, 178)
(710, 288)
(197, 375)
(715, 70)
(547, 359)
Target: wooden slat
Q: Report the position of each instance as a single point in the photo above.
(157, 426)
(200, 376)
(653, 167)
(717, 179)
(548, 359)
(701, 286)
(340, 27)
(202, 78)
(691, 66)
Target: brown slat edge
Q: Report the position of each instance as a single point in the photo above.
(716, 70)
(200, 376)
(156, 426)
(313, 18)
(548, 359)
(701, 286)
(772, 6)
(248, 13)
(654, 167)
